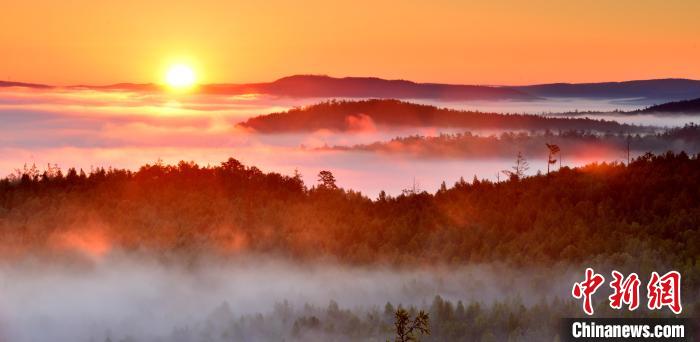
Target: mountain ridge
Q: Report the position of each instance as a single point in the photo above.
(310, 86)
(368, 114)
(684, 106)
(4, 84)
(663, 88)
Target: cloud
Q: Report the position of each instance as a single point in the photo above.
(120, 295)
(360, 123)
(88, 128)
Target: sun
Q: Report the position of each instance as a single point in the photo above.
(180, 76)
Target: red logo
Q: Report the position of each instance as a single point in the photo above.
(587, 288)
(625, 291)
(665, 291)
(661, 291)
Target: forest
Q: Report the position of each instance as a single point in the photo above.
(351, 115)
(684, 106)
(507, 320)
(572, 143)
(647, 211)
(640, 217)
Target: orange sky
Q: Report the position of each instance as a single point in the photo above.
(481, 42)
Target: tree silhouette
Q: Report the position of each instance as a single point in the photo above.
(406, 329)
(518, 170)
(326, 180)
(553, 150)
(413, 190)
(443, 187)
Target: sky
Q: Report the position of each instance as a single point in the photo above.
(473, 42)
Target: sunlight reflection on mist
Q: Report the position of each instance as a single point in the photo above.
(89, 128)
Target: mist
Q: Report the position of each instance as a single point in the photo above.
(89, 129)
(120, 296)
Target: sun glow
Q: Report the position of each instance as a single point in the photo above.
(180, 76)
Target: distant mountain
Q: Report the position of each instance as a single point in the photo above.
(315, 86)
(372, 87)
(22, 84)
(666, 89)
(122, 86)
(368, 87)
(368, 114)
(686, 106)
(308, 86)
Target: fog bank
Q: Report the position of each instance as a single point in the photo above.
(148, 301)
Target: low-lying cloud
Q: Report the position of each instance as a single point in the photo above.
(89, 128)
(119, 296)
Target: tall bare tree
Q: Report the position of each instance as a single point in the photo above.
(553, 151)
(518, 170)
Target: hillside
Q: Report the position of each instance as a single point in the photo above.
(319, 86)
(359, 115)
(686, 106)
(363, 87)
(22, 84)
(644, 215)
(573, 144)
(310, 86)
(665, 89)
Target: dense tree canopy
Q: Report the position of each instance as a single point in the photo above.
(643, 217)
(573, 143)
(650, 209)
(355, 115)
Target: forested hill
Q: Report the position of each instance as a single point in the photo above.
(360, 115)
(4, 84)
(574, 143)
(687, 106)
(660, 89)
(314, 86)
(648, 212)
